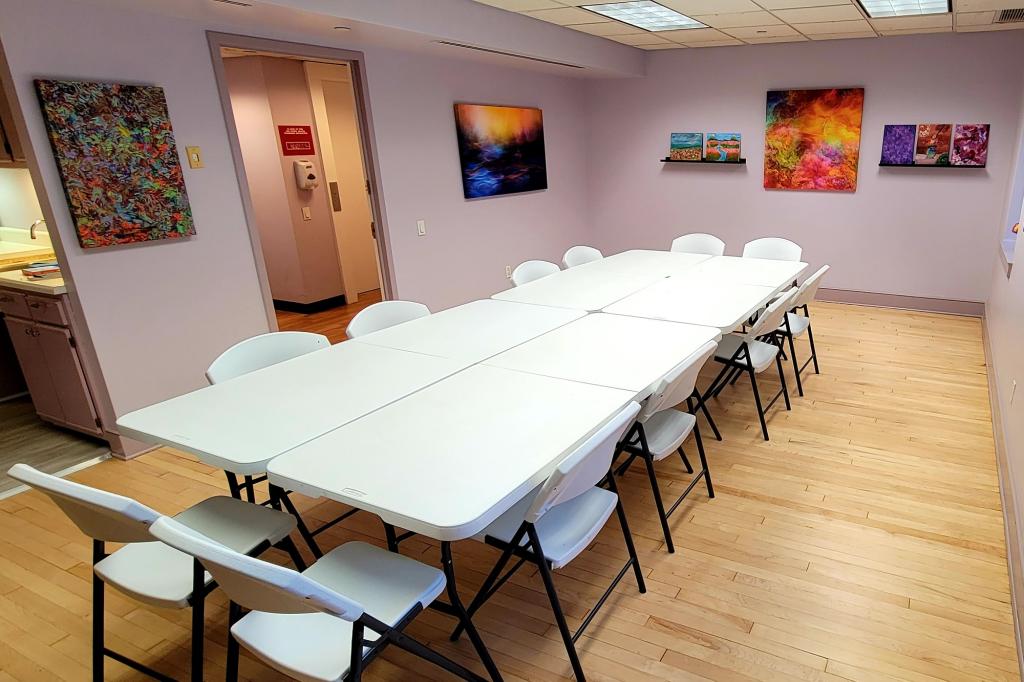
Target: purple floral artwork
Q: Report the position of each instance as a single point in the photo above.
(970, 144)
(898, 145)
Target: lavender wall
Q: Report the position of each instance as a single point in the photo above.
(916, 232)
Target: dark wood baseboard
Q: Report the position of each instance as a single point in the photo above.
(309, 308)
(931, 305)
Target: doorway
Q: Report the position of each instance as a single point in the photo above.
(299, 124)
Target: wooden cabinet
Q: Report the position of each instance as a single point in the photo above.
(48, 355)
(12, 152)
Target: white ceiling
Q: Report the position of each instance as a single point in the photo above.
(739, 22)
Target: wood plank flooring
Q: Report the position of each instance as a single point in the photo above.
(331, 323)
(863, 542)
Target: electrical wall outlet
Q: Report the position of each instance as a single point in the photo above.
(306, 213)
(195, 157)
(421, 228)
(508, 272)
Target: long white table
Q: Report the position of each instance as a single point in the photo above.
(592, 286)
(474, 331)
(759, 271)
(241, 424)
(628, 353)
(449, 459)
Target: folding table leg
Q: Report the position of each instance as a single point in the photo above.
(796, 365)
(459, 611)
(279, 496)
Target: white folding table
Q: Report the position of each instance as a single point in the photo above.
(241, 424)
(630, 353)
(474, 331)
(760, 271)
(600, 283)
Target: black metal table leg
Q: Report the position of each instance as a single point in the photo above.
(459, 611)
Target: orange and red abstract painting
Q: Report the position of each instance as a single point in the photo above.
(501, 149)
(812, 139)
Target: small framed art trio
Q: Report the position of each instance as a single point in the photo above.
(935, 144)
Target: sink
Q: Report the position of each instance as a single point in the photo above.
(17, 248)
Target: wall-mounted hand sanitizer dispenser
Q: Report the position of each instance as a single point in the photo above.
(305, 175)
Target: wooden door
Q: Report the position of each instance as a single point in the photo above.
(34, 368)
(68, 378)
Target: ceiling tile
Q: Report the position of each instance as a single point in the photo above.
(738, 19)
(694, 7)
(910, 31)
(748, 32)
(693, 35)
(793, 4)
(817, 14)
(521, 5)
(835, 27)
(646, 38)
(777, 39)
(840, 36)
(716, 43)
(975, 18)
(567, 15)
(986, 5)
(919, 21)
(607, 28)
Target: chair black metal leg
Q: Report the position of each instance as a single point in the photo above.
(488, 586)
(404, 641)
(280, 496)
(391, 537)
(231, 665)
(460, 612)
(796, 365)
(782, 380)
(250, 490)
(659, 504)
(624, 467)
(814, 353)
(233, 488)
(757, 401)
(98, 553)
(627, 536)
(686, 462)
(707, 415)
(556, 606)
(355, 665)
(703, 461)
(198, 618)
(288, 545)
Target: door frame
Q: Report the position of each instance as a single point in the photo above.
(371, 164)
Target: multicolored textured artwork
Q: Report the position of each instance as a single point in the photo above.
(898, 145)
(501, 149)
(117, 158)
(812, 139)
(722, 147)
(932, 146)
(686, 146)
(970, 144)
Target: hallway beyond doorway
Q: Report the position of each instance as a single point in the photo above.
(331, 323)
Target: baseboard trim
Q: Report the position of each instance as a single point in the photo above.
(17, 490)
(922, 303)
(1014, 549)
(308, 308)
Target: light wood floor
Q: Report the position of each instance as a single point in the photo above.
(864, 542)
(24, 437)
(331, 323)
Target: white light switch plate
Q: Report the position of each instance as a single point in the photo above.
(306, 213)
(421, 227)
(508, 272)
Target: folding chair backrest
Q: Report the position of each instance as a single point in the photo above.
(578, 255)
(772, 317)
(699, 242)
(774, 248)
(97, 513)
(584, 467)
(262, 351)
(809, 289)
(253, 583)
(383, 315)
(677, 385)
(529, 270)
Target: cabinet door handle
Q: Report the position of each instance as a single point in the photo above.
(35, 305)
(28, 330)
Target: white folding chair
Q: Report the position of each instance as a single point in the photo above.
(578, 255)
(660, 429)
(327, 622)
(699, 242)
(557, 521)
(383, 315)
(150, 571)
(773, 248)
(753, 352)
(255, 353)
(796, 325)
(529, 270)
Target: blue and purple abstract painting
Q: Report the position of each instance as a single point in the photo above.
(501, 149)
(898, 145)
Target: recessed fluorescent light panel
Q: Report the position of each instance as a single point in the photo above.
(647, 15)
(877, 9)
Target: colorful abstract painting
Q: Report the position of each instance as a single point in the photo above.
(898, 145)
(812, 139)
(723, 147)
(501, 149)
(117, 158)
(686, 146)
(932, 146)
(970, 144)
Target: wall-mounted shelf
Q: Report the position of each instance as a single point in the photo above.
(922, 165)
(741, 162)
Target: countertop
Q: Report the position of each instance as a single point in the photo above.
(13, 279)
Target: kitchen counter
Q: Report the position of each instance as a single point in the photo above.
(18, 249)
(13, 279)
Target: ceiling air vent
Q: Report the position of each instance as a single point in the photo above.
(1011, 16)
(466, 46)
